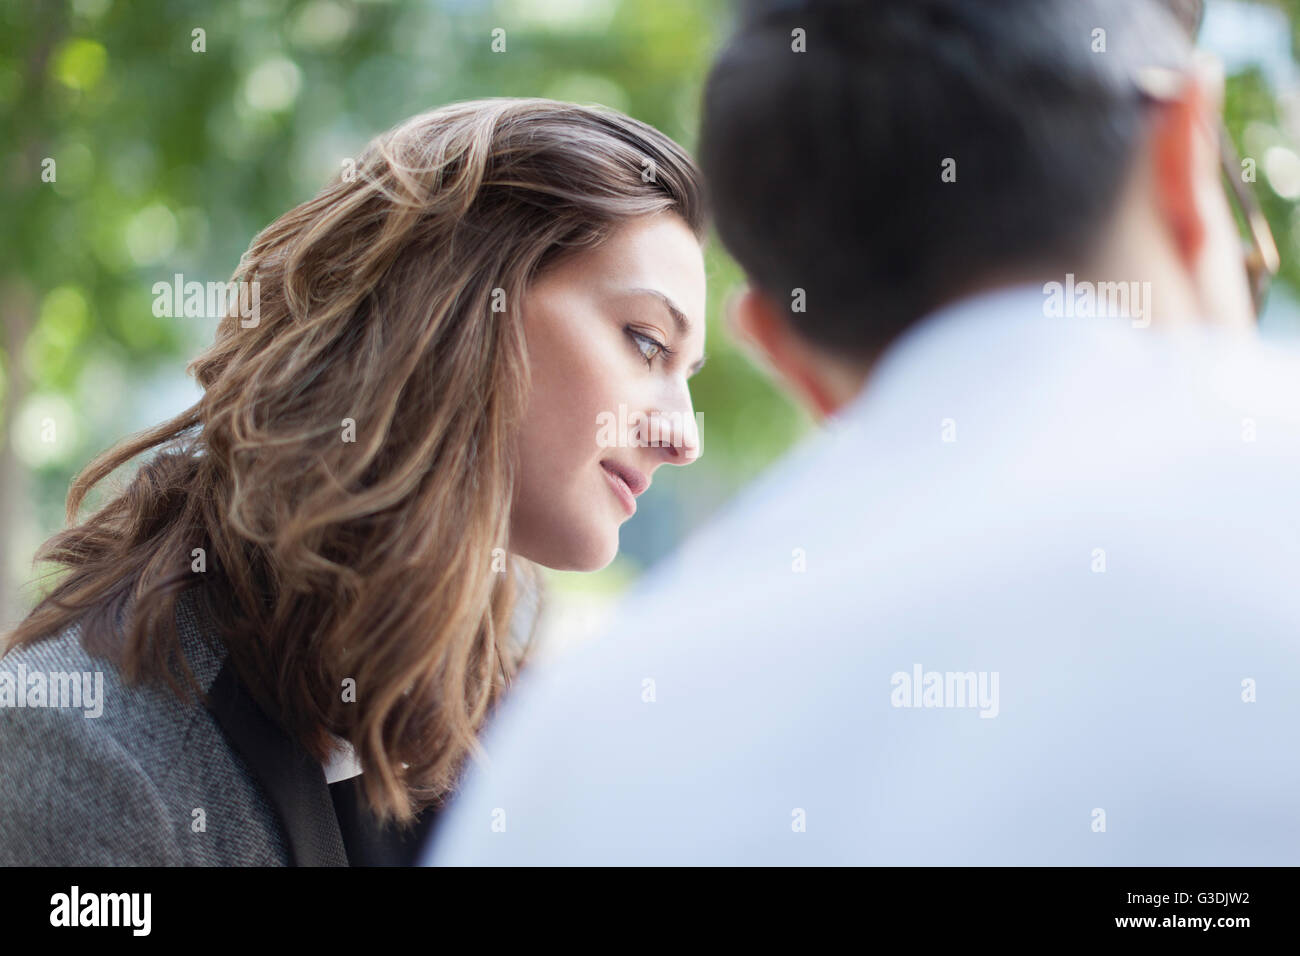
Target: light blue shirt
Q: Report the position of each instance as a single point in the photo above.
(1032, 598)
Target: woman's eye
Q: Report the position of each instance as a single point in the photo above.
(648, 347)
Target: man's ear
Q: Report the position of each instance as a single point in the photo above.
(769, 338)
(1184, 166)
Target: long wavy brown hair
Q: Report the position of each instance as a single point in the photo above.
(390, 301)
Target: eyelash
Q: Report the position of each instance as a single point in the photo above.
(639, 337)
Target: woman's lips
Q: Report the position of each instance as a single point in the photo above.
(620, 488)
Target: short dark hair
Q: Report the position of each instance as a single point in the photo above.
(823, 167)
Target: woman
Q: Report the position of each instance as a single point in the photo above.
(327, 546)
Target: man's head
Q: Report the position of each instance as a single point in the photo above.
(892, 156)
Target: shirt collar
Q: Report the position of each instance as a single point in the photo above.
(972, 329)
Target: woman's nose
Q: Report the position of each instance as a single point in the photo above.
(677, 435)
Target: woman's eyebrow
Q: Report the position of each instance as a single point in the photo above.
(683, 323)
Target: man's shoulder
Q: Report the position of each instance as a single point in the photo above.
(1083, 407)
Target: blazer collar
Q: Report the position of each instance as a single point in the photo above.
(291, 779)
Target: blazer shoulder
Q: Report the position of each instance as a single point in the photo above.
(89, 759)
(71, 795)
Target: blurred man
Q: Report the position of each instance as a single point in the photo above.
(1034, 596)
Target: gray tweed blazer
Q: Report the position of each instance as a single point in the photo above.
(150, 781)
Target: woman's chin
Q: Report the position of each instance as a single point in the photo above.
(584, 552)
(597, 554)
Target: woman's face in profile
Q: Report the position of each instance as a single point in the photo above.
(613, 334)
